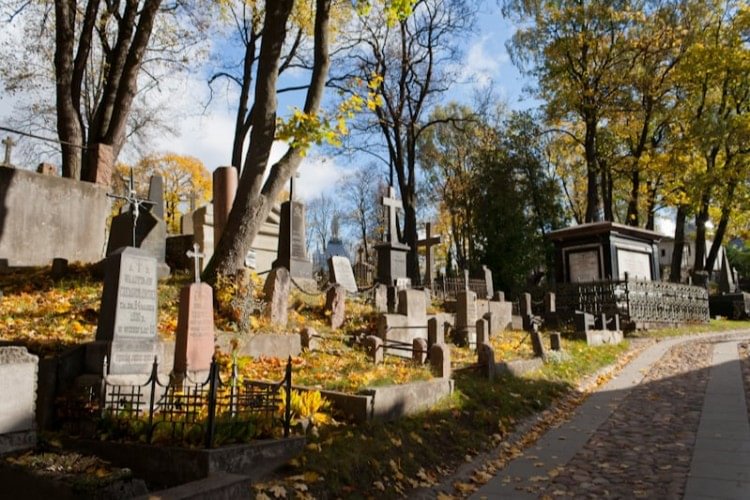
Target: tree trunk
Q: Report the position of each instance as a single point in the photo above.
(675, 269)
(726, 211)
(593, 199)
(410, 238)
(700, 235)
(631, 219)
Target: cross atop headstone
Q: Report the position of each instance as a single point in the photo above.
(8, 142)
(196, 255)
(133, 200)
(393, 204)
(428, 242)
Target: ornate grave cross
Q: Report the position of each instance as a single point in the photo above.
(133, 200)
(428, 242)
(392, 204)
(8, 142)
(196, 255)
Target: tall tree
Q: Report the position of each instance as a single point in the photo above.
(411, 58)
(360, 192)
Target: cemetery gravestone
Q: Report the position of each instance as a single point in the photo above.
(482, 329)
(466, 317)
(391, 253)
(18, 384)
(440, 360)
(433, 333)
(374, 348)
(537, 344)
(408, 324)
(486, 360)
(8, 142)
(276, 291)
(336, 305)
(419, 351)
(203, 230)
(309, 338)
(555, 341)
(194, 346)
(126, 332)
(341, 273)
(156, 195)
(488, 283)
(224, 191)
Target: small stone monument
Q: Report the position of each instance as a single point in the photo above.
(419, 351)
(194, 346)
(292, 253)
(374, 348)
(340, 271)
(408, 324)
(466, 317)
(203, 231)
(391, 253)
(18, 380)
(336, 305)
(486, 360)
(428, 243)
(440, 360)
(276, 291)
(126, 332)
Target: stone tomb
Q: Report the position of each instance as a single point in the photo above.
(400, 330)
(126, 332)
(18, 380)
(194, 346)
(341, 272)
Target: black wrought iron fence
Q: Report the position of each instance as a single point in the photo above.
(191, 411)
(448, 288)
(636, 301)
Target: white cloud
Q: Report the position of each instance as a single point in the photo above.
(317, 174)
(480, 65)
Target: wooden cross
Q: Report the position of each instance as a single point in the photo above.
(428, 242)
(393, 204)
(196, 255)
(8, 142)
(133, 200)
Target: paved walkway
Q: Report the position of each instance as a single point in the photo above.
(671, 424)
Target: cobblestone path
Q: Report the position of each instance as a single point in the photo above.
(644, 449)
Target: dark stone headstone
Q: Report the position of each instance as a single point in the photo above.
(374, 348)
(726, 278)
(291, 250)
(336, 306)
(486, 360)
(276, 291)
(129, 310)
(537, 344)
(341, 272)
(433, 333)
(156, 195)
(391, 262)
(524, 306)
(440, 360)
(555, 341)
(309, 338)
(150, 235)
(59, 268)
(482, 329)
(419, 351)
(194, 346)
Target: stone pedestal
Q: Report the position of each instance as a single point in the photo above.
(291, 251)
(391, 262)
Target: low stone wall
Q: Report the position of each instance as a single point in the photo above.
(274, 345)
(519, 367)
(390, 402)
(43, 217)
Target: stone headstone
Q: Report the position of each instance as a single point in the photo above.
(59, 268)
(466, 316)
(391, 253)
(150, 235)
(194, 345)
(186, 223)
(341, 272)
(555, 341)
(156, 195)
(381, 298)
(292, 253)
(482, 329)
(336, 306)
(129, 310)
(433, 333)
(550, 303)
(537, 343)
(486, 360)
(440, 360)
(309, 338)
(419, 351)
(276, 291)
(488, 281)
(374, 348)
(524, 306)
(224, 190)
(18, 388)
(499, 296)
(409, 323)
(203, 231)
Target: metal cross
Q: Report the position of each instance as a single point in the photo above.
(393, 204)
(196, 255)
(133, 200)
(8, 142)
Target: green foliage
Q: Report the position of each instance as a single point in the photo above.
(740, 258)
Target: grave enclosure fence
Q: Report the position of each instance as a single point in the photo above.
(185, 411)
(640, 303)
(448, 288)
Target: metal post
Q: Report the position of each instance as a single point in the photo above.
(213, 382)
(103, 389)
(288, 402)
(152, 397)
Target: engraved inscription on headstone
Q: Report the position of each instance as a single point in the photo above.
(194, 346)
(298, 231)
(136, 300)
(636, 264)
(583, 266)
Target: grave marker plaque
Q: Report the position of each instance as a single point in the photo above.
(342, 273)
(128, 317)
(584, 266)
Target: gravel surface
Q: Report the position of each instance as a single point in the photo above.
(644, 449)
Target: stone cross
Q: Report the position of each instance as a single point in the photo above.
(196, 255)
(429, 242)
(393, 204)
(133, 200)
(8, 142)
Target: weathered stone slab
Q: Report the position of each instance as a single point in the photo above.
(194, 346)
(440, 360)
(519, 367)
(309, 338)
(341, 272)
(270, 345)
(394, 401)
(486, 360)
(18, 388)
(276, 291)
(336, 306)
(374, 348)
(419, 351)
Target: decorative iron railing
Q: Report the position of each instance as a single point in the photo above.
(448, 288)
(636, 301)
(192, 411)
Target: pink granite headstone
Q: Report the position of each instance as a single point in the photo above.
(194, 347)
(224, 190)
